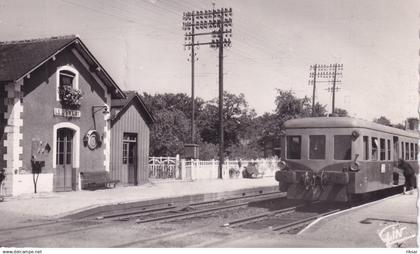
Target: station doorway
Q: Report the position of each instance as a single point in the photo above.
(64, 172)
(130, 157)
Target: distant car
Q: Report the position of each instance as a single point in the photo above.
(251, 171)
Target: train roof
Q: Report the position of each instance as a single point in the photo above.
(345, 122)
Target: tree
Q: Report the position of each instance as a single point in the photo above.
(237, 118)
(383, 120)
(169, 133)
(340, 112)
(208, 151)
(399, 126)
(171, 130)
(288, 106)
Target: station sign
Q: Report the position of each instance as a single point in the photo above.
(67, 113)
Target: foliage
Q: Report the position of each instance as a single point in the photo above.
(246, 135)
(237, 119)
(169, 133)
(288, 106)
(399, 126)
(340, 112)
(248, 151)
(70, 97)
(383, 120)
(208, 151)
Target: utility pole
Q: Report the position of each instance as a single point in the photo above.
(338, 72)
(324, 73)
(218, 25)
(314, 88)
(221, 134)
(333, 89)
(192, 86)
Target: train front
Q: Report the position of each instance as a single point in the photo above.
(317, 160)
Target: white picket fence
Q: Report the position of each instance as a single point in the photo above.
(180, 169)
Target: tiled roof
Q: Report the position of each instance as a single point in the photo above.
(124, 103)
(19, 57)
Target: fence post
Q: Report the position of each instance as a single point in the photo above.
(193, 169)
(183, 171)
(177, 168)
(226, 171)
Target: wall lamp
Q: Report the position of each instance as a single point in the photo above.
(96, 109)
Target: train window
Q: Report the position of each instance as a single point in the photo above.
(382, 151)
(342, 147)
(407, 151)
(293, 147)
(375, 146)
(317, 147)
(411, 151)
(416, 150)
(402, 150)
(389, 149)
(365, 148)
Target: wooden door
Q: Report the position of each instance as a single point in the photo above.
(64, 157)
(130, 157)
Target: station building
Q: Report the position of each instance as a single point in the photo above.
(56, 114)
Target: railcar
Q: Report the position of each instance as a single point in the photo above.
(338, 158)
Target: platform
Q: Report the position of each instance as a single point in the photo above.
(55, 205)
(394, 218)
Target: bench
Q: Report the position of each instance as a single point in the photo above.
(96, 180)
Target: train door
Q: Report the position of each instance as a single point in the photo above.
(397, 176)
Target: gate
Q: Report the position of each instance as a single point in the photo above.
(163, 167)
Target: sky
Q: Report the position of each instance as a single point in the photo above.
(140, 43)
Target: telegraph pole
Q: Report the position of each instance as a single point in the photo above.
(221, 134)
(218, 25)
(314, 90)
(338, 72)
(192, 86)
(333, 89)
(324, 73)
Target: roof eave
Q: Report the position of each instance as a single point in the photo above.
(118, 90)
(44, 61)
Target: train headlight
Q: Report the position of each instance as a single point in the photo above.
(354, 167)
(282, 165)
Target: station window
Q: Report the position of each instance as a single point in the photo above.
(375, 146)
(317, 147)
(125, 153)
(416, 151)
(389, 149)
(342, 147)
(382, 152)
(411, 151)
(407, 151)
(294, 144)
(365, 148)
(67, 76)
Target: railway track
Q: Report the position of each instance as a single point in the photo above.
(288, 220)
(172, 211)
(171, 225)
(38, 231)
